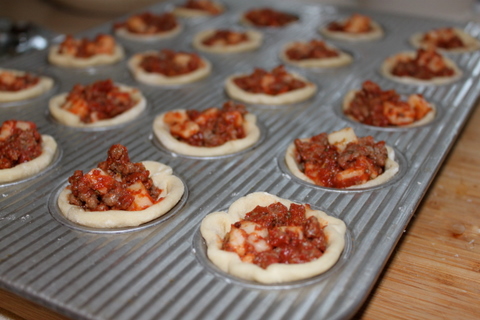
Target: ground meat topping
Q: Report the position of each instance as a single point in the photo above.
(356, 23)
(203, 5)
(148, 23)
(85, 48)
(427, 64)
(277, 234)
(171, 63)
(98, 101)
(444, 38)
(225, 38)
(117, 184)
(266, 17)
(12, 82)
(373, 106)
(19, 142)
(209, 128)
(314, 49)
(328, 166)
(273, 83)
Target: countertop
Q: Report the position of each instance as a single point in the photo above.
(434, 271)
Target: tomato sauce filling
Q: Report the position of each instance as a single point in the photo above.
(148, 23)
(277, 234)
(20, 142)
(203, 5)
(117, 184)
(273, 83)
(445, 38)
(13, 83)
(314, 49)
(329, 166)
(170, 63)
(426, 65)
(266, 17)
(209, 128)
(225, 38)
(86, 48)
(356, 23)
(373, 106)
(100, 100)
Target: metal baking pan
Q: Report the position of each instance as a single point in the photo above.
(162, 271)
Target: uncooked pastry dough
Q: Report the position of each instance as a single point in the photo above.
(289, 97)
(391, 166)
(65, 60)
(158, 79)
(375, 33)
(70, 119)
(124, 33)
(43, 85)
(216, 225)
(254, 41)
(338, 61)
(426, 119)
(163, 178)
(34, 166)
(389, 63)
(162, 132)
(471, 43)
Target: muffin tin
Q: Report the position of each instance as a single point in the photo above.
(162, 271)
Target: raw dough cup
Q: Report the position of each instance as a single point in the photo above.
(254, 41)
(216, 225)
(162, 132)
(44, 85)
(341, 60)
(163, 178)
(65, 60)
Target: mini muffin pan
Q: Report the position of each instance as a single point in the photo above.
(161, 270)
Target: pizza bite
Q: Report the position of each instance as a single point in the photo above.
(453, 40)
(227, 41)
(341, 160)
(267, 17)
(357, 27)
(119, 193)
(385, 108)
(211, 132)
(82, 53)
(423, 67)
(314, 54)
(199, 8)
(268, 239)
(168, 67)
(99, 104)
(148, 26)
(274, 87)
(24, 152)
(19, 85)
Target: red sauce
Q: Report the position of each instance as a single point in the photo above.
(170, 63)
(20, 142)
(225, 37)
(327, 166)
(97, 191)
(276, 82)
(98, 101)
(85, 48)
(266, 17)
(209, 128)
(149, 23)
(315, 49)
(203, 5)
(445, 38)
(12, 82)
(292, 238)
(427, 64)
